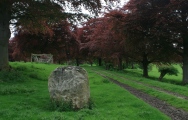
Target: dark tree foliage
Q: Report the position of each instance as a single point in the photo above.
(89, 47)
(140, 31)
(145, 31)
(137, 27)
(174, 24)
(167, 69)
(62, 43)
(36, 16)
(98, 41)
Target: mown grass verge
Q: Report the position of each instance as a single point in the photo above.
(28, 98)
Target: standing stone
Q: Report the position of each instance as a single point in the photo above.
(69, 84)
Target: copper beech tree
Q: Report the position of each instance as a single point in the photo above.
(98, 41)
(150, 30)
(89, 47)
(134, 32)
(138, 22)
(62, 44)
(155, 31)
(174, 24)
(164, 24)
(33, 16)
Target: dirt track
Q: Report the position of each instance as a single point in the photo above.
(172, 112)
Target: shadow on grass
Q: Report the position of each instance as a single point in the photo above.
(165, 80)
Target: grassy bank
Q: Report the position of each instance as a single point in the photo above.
(24, 95)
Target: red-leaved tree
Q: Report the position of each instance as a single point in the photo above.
(32, 15)
(61, 43)
(138, 25)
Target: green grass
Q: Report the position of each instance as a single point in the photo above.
(154, 74)
(132, 77)
(24, 95)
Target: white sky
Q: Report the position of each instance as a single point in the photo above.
(122, 2)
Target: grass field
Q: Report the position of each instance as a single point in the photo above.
(24, 95)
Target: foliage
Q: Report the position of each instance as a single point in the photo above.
(61, 44)
(126, 35)
(167, 69)
(170, 70)
(142, 31)
(149, 66)
(22, 15)
(98, 41)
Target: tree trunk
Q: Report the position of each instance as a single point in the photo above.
(100, 61)
(185, 44)
(126, 64)
(161, 76)
(77, 62)
(132, 65)
(91, 62)
(120, 66)
(145, 64)
(185, 59)
(5, 17)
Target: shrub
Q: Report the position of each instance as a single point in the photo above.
(167, 69)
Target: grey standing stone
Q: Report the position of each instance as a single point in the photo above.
(69, 84)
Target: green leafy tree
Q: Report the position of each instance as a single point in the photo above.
(167, 69)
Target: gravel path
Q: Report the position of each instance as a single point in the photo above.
(172, 112)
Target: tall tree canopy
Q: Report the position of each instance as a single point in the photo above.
(152, 31)
(140, 32)
(36, 16)
(138, 26)
(174, 24)
(157, 30)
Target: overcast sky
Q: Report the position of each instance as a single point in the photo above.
(122, 2)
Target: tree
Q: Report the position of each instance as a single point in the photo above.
(48, 11)
(99, 41)
(174, 24)
(139, 27)
(61, 44)
(167, 69)
(89, 46)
